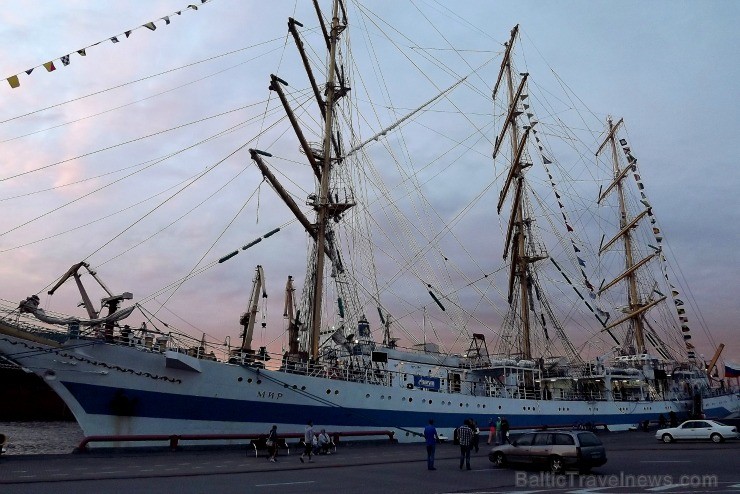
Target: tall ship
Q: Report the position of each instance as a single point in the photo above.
(541, 291)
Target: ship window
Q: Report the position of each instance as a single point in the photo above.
(367, 395)
(259, 381)
(410, 400)
(249, 380)
(240, 379)
(430, 402)
(336, 391)
(328, 391)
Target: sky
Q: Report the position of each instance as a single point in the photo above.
(670, 69)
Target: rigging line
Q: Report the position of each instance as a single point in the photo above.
(124, 143)
(233, 219)
(195, 273)
(119, 180)
(145, 99)
(137, 80)
(176, 220)
(404, 118)
(200, 175)
(97, 220)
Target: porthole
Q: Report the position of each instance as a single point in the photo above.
(430, 402)
(259, 381)
(249, 380)
(240, 379)
(336, 391)
(410, 400)
(328, 391)
(303, 388)
(367, 395)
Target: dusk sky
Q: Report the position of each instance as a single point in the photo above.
(670, 69)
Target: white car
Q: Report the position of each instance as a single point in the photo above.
(697, 430)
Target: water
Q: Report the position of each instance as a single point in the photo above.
(37, 438)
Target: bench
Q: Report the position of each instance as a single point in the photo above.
(260, 444)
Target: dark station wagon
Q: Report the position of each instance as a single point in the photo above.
(555, 450)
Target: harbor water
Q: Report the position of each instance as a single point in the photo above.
(36, 438)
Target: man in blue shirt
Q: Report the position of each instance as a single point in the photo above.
(430, 434)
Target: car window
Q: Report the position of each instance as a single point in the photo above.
(588, 439)
(525, 440)
(688, 425)
(563, 439)
(542, 439)
(700, 423)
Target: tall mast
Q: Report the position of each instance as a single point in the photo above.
(516, 238)
(322, 204)
(636, 306)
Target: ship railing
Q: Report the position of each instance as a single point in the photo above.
(174, 439)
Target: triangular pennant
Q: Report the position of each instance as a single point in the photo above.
(29, 71)
(82, 52)
(575, 248)
(115, 40)
(49, 66)
(191, 6)
(127, 33)
(65, 60)
(568, 227)
(166, 20)
(678, 301)
(545, 160)
(13, 81)
(150, 25)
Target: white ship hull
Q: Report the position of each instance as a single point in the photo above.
(120, 390)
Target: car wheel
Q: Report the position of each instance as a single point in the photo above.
(498, 459)
(667, 438)
(556, 465)
(716, 438)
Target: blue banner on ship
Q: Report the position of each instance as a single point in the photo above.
(426, 382)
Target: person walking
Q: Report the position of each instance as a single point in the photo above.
(272, 444)
(465, 436)
(431, 437)
(308, 442)
(498, 432)
(505, 430)
(491, 430)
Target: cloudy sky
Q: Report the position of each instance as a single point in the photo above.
(70, 138)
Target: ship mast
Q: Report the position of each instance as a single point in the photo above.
(323, 198)
(519, 222)
(636, 307)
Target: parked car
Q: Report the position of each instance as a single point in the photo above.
(556, 450)
(698, 430)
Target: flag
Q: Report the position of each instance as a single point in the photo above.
(13, 81)
(82, 52)
(581, 261)
(732, 370)
(623, 142)
(545, 160)
(166, 20)
(50, 66)
(191, 6)
(29, 71)
(150, 25)
(65, 60)
(114, 39)
(127, 33)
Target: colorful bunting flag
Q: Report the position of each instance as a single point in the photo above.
(49, 66)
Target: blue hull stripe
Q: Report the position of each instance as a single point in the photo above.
(103, 400)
